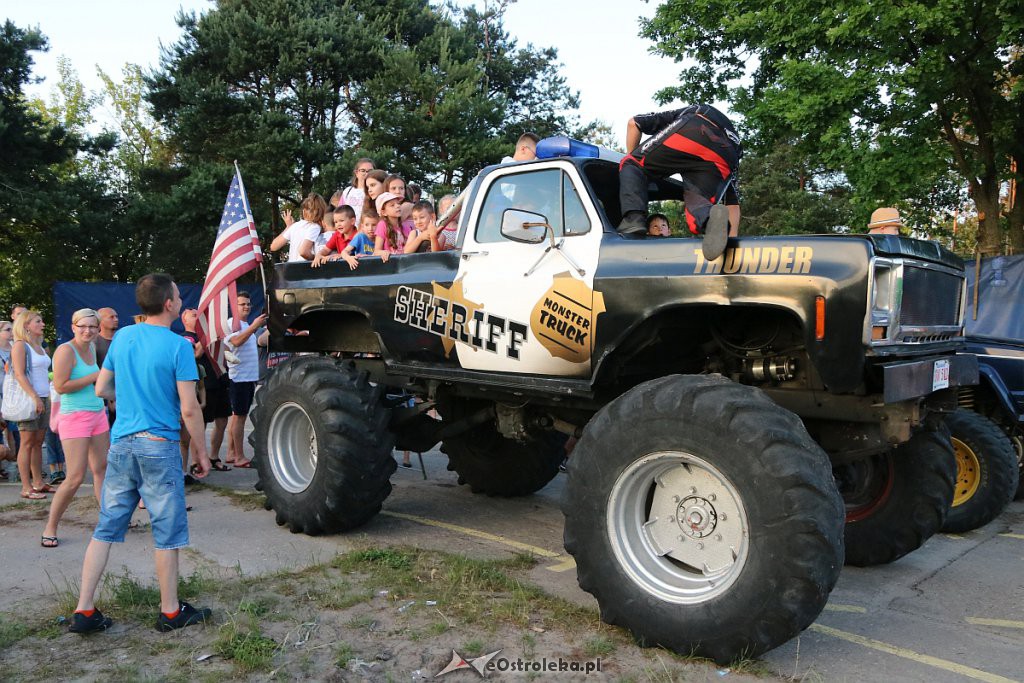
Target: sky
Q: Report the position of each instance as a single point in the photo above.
(603, 57)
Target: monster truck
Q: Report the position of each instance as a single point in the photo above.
(739, 421)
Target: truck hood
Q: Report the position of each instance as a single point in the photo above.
(894, 245)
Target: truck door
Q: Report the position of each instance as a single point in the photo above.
(532, 306)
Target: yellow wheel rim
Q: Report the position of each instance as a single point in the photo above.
(968, 472)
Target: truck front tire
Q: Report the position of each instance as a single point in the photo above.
(323, 449)
(897, 500)
(703, 518)
(987, 471)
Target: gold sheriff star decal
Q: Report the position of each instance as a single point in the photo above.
(455, 295)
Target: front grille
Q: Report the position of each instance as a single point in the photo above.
(930, 298)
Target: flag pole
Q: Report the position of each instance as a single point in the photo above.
(248, 212)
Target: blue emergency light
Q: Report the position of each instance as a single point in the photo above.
(564, 146)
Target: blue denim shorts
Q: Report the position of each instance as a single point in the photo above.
(140, 466)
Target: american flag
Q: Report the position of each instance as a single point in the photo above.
(235, 252)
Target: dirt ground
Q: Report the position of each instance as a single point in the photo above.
(290, 607)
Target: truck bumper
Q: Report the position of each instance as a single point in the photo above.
(913, 379)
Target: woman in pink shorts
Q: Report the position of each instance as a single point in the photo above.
(82, 426)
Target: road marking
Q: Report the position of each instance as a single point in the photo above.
(955, 537)
(845, 608)
(1018, 536)
(946, 665)
(995, 622)
(565, 564)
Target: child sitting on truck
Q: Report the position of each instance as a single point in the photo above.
(449, 234)
(301, 236)
(344, 232)
(390, 237)
(362, 244)
(423, 237)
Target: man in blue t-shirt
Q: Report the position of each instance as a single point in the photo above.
(151, 372)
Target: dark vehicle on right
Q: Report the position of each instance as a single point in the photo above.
(999, 397)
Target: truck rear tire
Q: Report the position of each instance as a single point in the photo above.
(497, 466)
(986, 471)
(703, 518)
(323, 449)
(897, 500)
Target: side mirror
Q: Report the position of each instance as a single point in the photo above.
(523, 226)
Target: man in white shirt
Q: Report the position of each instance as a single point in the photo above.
(243, 374)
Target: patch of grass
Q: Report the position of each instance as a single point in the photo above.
(255, 608)
(372, 558)
(438, 628)
(472, 648)
(247, 648)
(21, 505)
(11, 631)
(343, 654)
(242, 499)
(529, 643)
(130, 598)
(598, 646)
(752, 667)
(199, 582)
(66, 595)
(361, 622)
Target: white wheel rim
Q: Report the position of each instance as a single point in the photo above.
(678, 527)
(292, 451)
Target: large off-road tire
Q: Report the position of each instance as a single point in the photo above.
(1017, 439)
(322, 446)
(497, 466)
(897, 500)
(703, 518)
(986, 471)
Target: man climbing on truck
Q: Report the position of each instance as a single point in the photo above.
(701, 145)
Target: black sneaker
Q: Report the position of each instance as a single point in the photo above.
(187, 616)
(633, 223)
(83, 624)
(57, 478)
(716, 232)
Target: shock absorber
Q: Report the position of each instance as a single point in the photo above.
(775, 369)
(965, 398)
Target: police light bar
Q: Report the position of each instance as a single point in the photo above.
(563, 146)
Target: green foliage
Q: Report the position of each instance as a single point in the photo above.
(896, 96)
(784, 194)
(11, 631)
(296, 90)
(249, 649)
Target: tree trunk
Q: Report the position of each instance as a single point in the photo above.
(990, 238)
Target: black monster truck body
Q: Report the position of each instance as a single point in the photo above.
(717, 404)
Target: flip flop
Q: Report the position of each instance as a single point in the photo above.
(243, 465)
(45, 488)
(33, 495)
(49, 542)
(219, 466)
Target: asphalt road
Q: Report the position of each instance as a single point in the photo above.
(951, 611)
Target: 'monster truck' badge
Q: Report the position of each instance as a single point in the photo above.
(564, 318)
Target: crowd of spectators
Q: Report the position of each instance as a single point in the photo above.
(377, 214)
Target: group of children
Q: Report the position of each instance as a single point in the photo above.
(378, 219)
